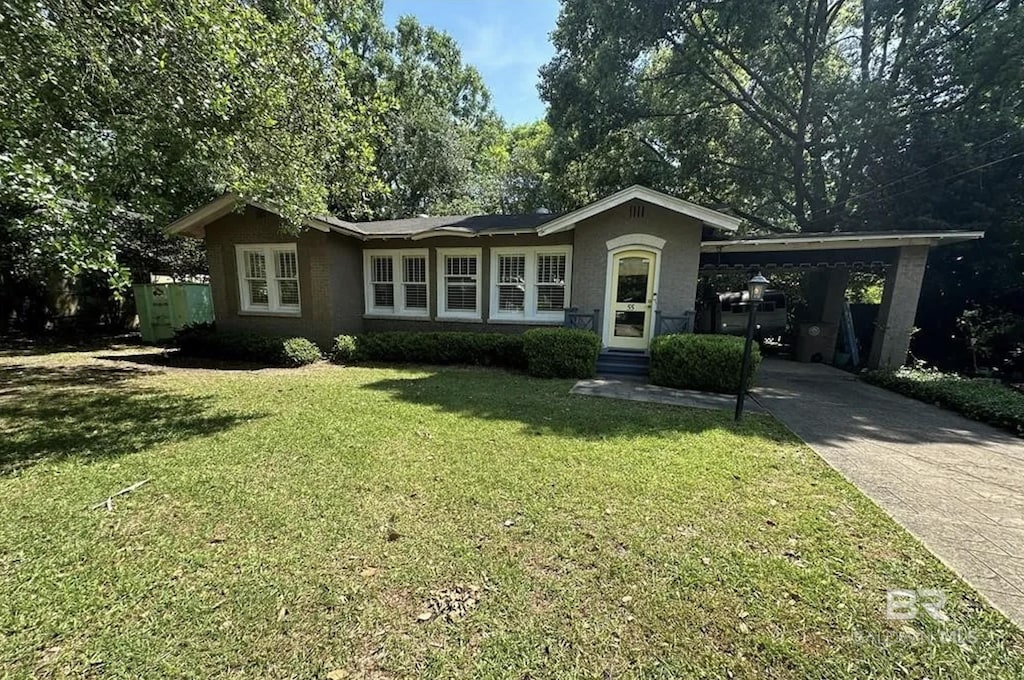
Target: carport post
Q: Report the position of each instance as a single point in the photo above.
(899, 308)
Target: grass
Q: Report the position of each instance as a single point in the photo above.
(983, 399)
(298, 523)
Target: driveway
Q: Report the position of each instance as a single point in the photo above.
(954, 483)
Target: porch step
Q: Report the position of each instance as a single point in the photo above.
(616, 362)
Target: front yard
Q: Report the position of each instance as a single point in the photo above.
(358, 522)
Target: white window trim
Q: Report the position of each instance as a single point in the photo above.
(398, 275)
(530, 312)
(273, 306)
(442, 294)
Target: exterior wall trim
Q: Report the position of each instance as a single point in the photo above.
(397, 282)
(528, 316)
(619, 242)
(708, 216)
(274, 308)
(440, 313)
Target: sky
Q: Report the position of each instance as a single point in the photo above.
(506, 40)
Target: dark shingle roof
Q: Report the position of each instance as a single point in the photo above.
(458, 223)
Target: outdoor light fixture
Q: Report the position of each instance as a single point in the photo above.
(756, 287)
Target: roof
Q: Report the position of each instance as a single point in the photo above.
(711, 218)
(194, 223)
(456, 225)
(848, 239)
(415, 228)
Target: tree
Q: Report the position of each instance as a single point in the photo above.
(152, 107)
(781, 109)
(526, 182)
(441, 131)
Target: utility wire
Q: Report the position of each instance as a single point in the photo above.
(958, 174)
(925, 169)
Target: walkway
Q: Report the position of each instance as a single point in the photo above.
(637, 389)
(956, 484)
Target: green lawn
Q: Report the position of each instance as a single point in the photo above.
(303, 522)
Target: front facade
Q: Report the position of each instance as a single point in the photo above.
(625, 266)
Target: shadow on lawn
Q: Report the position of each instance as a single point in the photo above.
(173, 358)
(546, 407)
(24, 346)
(92, 412)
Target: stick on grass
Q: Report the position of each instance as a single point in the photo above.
(109, 501)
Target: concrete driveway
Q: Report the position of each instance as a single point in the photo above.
(956, 484)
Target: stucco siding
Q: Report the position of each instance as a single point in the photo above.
(680, 258)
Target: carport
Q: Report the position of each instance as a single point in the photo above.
(830, 258)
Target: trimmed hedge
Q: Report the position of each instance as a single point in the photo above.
(710, 363)
(203, 340)
(544, 352)
(983, 399)
(561, 352)
(475, 349)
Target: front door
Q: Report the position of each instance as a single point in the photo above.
(632, 287)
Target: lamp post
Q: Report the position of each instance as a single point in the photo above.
(755, 293)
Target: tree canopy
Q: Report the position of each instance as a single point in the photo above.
(121, 115)
(791, 111)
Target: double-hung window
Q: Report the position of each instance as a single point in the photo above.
(530, 283)
(268, 278)
(458, 283)
(396, 282)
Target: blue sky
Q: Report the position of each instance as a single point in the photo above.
(506, 40)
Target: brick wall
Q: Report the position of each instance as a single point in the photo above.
(318, 320)
(679, 262)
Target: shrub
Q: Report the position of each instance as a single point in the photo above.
(978, 398)
(299, 352)
(344, 349)
(561, 352)
(203, 340)
(711, 363)
(479, 349)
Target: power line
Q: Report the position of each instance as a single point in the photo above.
(958, 174)
(917, 173)
(925, 169)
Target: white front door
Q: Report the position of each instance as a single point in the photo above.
(632, 299)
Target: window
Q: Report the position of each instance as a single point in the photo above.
(268, 278)
(396, 282)
(511, 283)
(530, 284)
(551, 282)
(458, 294)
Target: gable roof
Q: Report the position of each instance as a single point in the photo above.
(712, 218)
(194, 223)
(416, 228)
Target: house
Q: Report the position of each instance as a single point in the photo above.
(625, 266)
